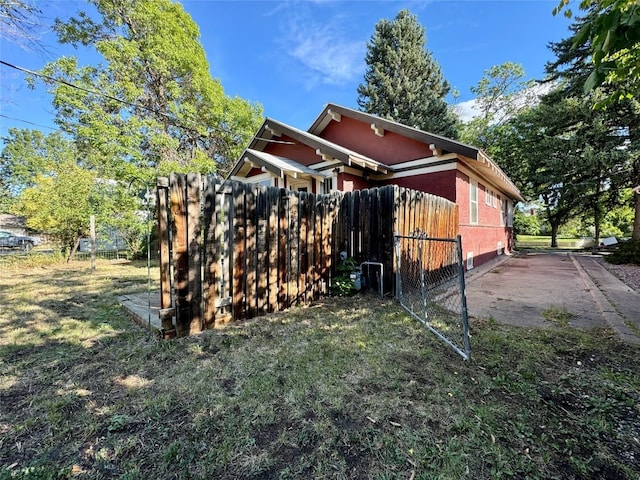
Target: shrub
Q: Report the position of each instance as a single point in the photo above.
(627, 252)
(342, 285)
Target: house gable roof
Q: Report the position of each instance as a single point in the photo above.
(475, 160)
(472, 157)
(272, 129)
(278, 166)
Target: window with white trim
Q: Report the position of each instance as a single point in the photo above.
(503, 211)
(473, 201)
(509, 213)
(328, 185)
(487, 196)
(494, 199)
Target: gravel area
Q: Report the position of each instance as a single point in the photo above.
(629, 274)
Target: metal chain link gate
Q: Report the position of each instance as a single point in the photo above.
(430, 286)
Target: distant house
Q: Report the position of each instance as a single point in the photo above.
(13, 224)
(347, 150)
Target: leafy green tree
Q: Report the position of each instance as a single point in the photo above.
(611, 33)
(152, 106)
(573, 65)
(403, 82)
(37, 168)
(500, 93)
(29, 153)
(525, 224)
(62, 203)
(562, 151)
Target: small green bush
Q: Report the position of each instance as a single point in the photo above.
(342, 285)
(627, 252)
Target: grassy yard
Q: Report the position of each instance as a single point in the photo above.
(350, 388)
(541, 241)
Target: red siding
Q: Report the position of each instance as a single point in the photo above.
(482, 238)
(482, 241)
(348, 182)
(254, 171)
(388, 149)
(302, 154)
(442, 184)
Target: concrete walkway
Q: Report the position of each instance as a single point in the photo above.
(544, 288)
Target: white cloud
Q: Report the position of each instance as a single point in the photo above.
(328, 57)
(468, 110)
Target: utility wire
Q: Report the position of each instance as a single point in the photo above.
(173, 119)
(30, 123)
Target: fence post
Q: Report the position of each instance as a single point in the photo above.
(180, 260)
(423, 288)
(194, 292)
(465, 318)
(166, 310)
(398, 265)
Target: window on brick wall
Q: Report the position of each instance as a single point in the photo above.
(473, 201)
(503, 212)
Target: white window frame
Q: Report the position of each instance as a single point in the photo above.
(494, 199)
(509, 213)
(503, 211)
(487, 196)
(473, 202)
(331, 182)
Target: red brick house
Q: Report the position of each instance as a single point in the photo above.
(347, 150)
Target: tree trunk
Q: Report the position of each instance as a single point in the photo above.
(73, 250)
(636, 220)
(554, 235)
(596, 223)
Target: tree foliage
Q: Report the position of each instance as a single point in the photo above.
(61, 204)
(57, 189)
(403, 82)
(29, 153)
(573, 66)
(500, 94)
(565, 153)
(611, 33)
(153, 104)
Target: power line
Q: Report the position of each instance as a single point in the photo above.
(173, 119)
(30, 123)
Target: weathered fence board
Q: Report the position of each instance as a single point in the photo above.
(238, 250)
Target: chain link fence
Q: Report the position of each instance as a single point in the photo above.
(430, 286)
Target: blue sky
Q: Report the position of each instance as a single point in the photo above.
(294, 57)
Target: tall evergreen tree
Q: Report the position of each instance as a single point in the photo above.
(403, 82)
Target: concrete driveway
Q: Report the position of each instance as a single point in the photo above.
(541, 289)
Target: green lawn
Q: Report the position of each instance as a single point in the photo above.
(349, 388)
(541, 241)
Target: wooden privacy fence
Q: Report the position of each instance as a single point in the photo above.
(232, 250)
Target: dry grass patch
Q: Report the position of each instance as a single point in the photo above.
(350, 388)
